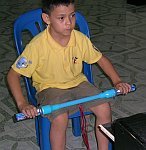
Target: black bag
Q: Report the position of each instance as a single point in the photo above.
(130, 132)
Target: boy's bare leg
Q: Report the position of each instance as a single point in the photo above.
(103, 115)
(58, 132)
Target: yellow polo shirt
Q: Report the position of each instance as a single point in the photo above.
(52, 65)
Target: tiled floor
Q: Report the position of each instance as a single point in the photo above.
(117, 28)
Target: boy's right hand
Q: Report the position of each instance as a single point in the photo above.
(29, 110)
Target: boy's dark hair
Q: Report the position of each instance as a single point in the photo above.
(48, 5)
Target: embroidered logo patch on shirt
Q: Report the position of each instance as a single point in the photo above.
(22, 63)
(74, 60)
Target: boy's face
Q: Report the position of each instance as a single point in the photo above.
(62, 20)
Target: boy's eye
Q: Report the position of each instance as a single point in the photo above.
(73, 15)
(61, 18)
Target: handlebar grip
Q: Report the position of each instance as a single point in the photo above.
(21, 116)
(133, 88)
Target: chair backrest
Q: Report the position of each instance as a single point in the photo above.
(32, 21)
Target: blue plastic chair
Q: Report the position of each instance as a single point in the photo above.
(32, 22)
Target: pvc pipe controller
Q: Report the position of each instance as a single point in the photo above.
(47, 109)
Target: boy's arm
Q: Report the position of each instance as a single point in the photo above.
(108, 68)
(13, 79)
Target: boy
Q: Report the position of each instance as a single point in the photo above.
(54, 61)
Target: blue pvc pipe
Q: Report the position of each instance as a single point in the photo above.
(47, 109)
(43, 110)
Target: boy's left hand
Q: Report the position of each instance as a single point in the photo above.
(124, 88)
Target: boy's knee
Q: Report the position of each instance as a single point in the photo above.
(62, 118)
(102, 111)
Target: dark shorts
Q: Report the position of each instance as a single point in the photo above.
(52, 96)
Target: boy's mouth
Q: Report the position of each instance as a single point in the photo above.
(68, 28)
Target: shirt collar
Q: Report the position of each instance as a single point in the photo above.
(71, 42)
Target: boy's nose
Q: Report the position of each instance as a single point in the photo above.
(68, 20)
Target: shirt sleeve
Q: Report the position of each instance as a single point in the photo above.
(27, 62)
(91, 53)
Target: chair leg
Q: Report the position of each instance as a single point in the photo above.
(110, 146)
(37, 130)
(76, 126)
(44, 128)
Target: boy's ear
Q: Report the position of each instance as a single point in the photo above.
(46, 18)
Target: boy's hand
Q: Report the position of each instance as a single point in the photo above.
(29, 110)
(124, 88)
